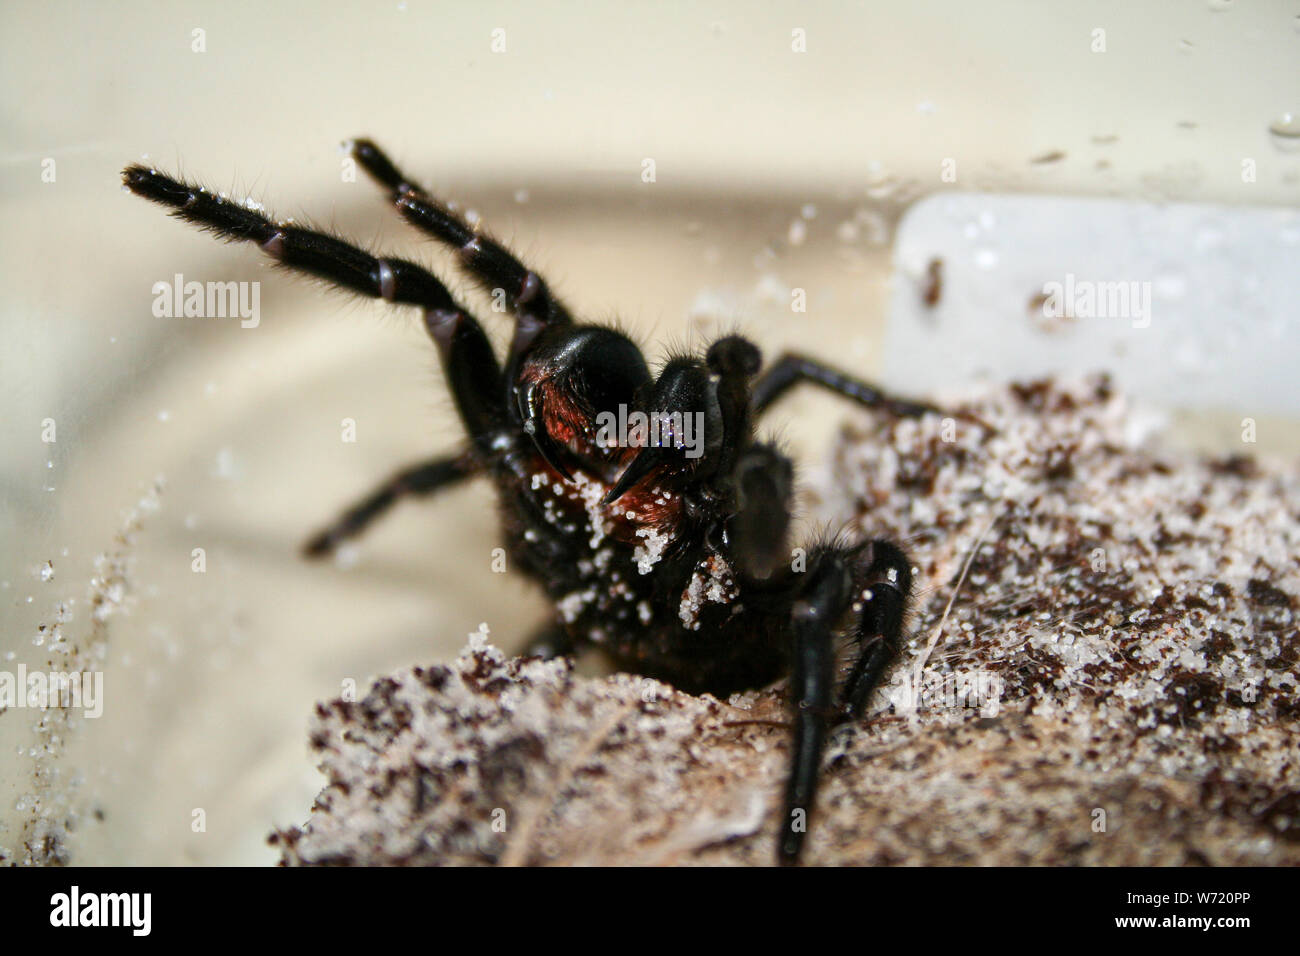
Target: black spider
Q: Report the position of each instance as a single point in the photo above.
(671, 556)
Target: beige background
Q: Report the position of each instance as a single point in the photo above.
(212, 677)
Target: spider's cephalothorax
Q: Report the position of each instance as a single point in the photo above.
(644, 506)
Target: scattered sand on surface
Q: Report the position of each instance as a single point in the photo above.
(1113, 682)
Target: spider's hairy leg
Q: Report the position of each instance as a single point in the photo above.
(491, 264)
(876, 580)
(422, 479)
(790, 370)
(734, 361)
(814, 614)
(883, 592)
(467, 359)
(758, 531)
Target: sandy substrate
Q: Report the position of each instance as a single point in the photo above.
(1103, 670)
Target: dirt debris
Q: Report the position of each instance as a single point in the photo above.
(1114, 682)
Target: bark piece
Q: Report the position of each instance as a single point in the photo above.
(1103, 670)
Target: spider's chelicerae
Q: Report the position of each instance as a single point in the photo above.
(662, 541)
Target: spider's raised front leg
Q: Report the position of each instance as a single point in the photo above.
(471, 368)
(417, 480)
(491, 264)
(790, 370)
(875, 580)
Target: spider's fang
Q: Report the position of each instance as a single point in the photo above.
(530, 408)
(645, 462)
